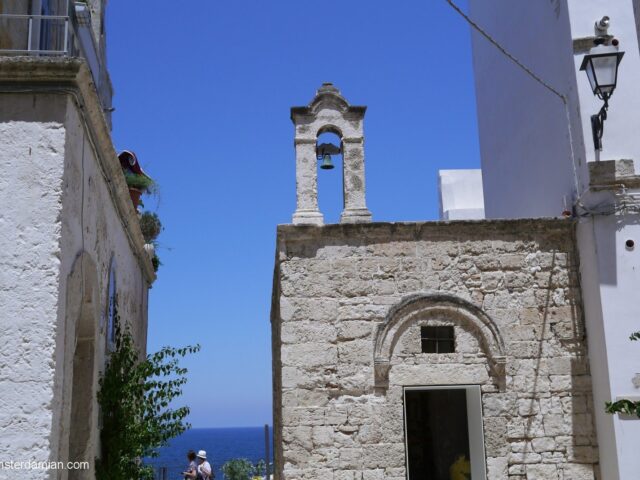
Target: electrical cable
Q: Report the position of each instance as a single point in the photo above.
(82, 283)
(532, 74)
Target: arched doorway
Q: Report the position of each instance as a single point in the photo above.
(83, 313)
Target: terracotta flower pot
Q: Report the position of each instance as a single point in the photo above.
(135, 196)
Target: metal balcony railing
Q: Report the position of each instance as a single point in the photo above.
(37, 35)
(56, 35)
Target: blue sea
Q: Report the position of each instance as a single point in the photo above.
(221, 444)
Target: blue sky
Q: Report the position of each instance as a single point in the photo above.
(202, 95)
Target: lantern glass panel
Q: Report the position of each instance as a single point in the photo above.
(605, 69)
(592, 77)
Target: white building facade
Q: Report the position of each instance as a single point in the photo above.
(539, 160)
(72, 254)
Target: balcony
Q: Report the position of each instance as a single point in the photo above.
(70, 35)
(37, 35)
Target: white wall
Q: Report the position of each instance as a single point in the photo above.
(598, 356)
(55, 205)
(610, 279)
(31, 162)
(103, 238)
(621, 139)
(524, 133)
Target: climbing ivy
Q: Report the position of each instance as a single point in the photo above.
(627, 407)
(134, 397)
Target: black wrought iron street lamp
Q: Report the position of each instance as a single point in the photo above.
(601, 65)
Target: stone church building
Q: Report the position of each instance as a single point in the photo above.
(423, 349)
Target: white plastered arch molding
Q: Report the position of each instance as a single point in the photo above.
(418, 308)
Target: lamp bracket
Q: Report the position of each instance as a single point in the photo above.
(585, 44)
(327, 149)
(597, 124)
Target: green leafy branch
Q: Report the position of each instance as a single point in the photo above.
(624, 406)
(242, 469)
(134, 397)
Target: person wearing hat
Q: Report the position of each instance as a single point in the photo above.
(204, 469)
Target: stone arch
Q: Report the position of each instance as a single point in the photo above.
(329, 97)
(80, 373)
(330, 128)
(416, 308)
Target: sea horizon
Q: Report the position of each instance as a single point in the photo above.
(233, 426)
(221, 444)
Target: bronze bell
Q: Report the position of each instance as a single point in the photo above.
(326, 162)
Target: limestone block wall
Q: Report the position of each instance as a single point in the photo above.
(348, 304)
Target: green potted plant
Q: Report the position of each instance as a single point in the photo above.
(138, 184)
(151, 227)
(137, 181)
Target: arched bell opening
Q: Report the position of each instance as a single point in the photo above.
(330, 173)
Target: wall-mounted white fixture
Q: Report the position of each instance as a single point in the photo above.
(601, 65)
(602, 25)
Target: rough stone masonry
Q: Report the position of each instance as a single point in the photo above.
(348, 304)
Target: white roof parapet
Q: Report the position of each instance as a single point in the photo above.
(461, 194)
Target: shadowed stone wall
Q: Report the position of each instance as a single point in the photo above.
(348, 304)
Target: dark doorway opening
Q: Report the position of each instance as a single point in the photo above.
(437, 430)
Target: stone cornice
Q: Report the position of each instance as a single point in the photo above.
(358, 110)
(71, 76)
(328, 96)
(312, 140)
(304, 141)
(613, 175)
(435, 230)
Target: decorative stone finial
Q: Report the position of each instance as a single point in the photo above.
(329, 112)
(328, 87)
